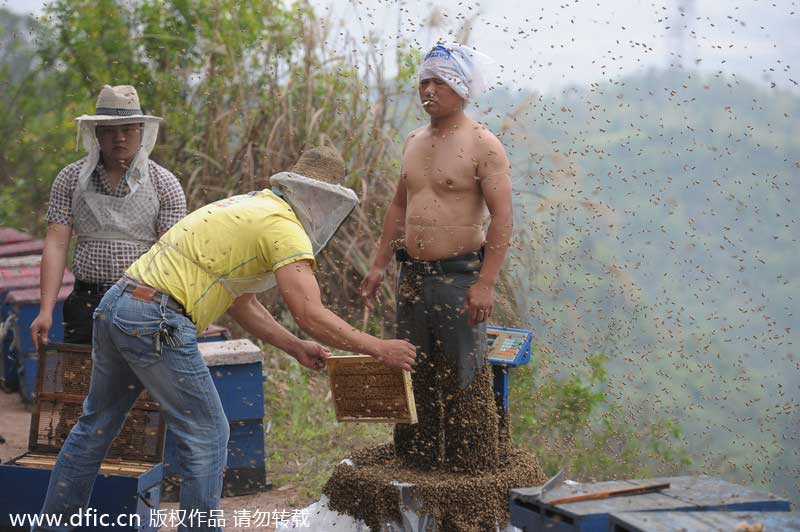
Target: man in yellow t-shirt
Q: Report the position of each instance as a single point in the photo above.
(211, 262)
(204, 259)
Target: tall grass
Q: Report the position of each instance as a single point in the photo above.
(244, 86)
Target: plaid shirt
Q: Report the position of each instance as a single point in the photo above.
(104, 261)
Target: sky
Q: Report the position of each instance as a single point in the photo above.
(547, 45)
(550, 44)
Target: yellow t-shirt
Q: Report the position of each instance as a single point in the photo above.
(221, 250)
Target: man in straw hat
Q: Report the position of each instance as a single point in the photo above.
(212, 261)
(453, 172)
(116, 201)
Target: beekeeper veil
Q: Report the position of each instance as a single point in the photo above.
(313, 191)
(462, 67)
(117, 106)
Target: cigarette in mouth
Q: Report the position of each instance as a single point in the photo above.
(427, 103)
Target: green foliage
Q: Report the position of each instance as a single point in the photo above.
(572, 423)
(244, 87)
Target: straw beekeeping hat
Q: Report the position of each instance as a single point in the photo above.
(119, 104)
(322, 163)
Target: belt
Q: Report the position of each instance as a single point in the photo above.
(469, 263)
(91, 288)
(146, 293)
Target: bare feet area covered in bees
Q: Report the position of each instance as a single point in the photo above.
(459, 502)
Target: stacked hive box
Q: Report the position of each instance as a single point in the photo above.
(236, 368)
(25, 281)
(11, 277)
(214, 333)
(704, 521)
(24, 307)
(21, 249)
(9, 235)
(8, 370)
(130, 477)
(20, 259)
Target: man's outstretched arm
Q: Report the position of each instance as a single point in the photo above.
(248, 312)
(301, 292)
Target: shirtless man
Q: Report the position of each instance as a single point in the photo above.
(453, 171)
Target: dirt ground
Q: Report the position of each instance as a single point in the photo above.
(15, 420)
(15, 424)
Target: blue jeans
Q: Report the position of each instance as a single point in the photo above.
(124, 360)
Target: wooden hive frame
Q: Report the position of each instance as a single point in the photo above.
(141, 440)
(365, 390)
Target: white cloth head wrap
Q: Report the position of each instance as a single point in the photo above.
(457, 65)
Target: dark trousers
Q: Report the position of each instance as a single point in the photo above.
(458, 426)
(79, 309)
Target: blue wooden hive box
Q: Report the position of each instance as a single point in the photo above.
(130, 478)
(24, 306)
(685, 494)
(704, 521)
(20, 275)
(236, 367)
(14, 274)
(9, 380)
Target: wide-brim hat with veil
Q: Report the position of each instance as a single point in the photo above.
(313, 188)
(116, 106)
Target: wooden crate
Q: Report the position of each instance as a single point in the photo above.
(703, 521)
(365, 390)
(686, 494)
(129, 481)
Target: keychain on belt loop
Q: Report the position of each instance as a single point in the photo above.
(165, 334)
